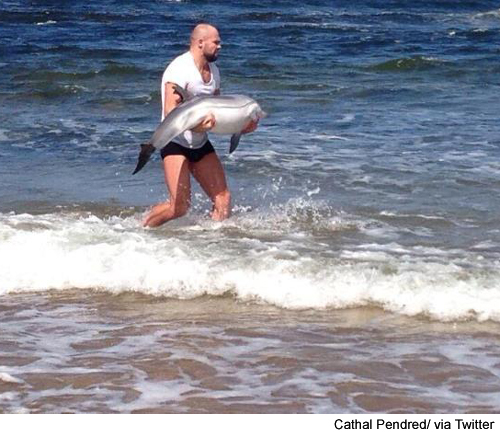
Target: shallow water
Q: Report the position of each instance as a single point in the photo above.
(360, 269)
(74, 351)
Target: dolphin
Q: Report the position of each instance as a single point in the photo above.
(232, 114)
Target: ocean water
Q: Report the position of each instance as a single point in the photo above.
(360, 269)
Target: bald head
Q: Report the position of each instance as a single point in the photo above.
(202, 31)
(205, 41)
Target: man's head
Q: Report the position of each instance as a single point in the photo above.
(205, 40)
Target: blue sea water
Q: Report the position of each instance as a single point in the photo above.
(381, 145)
(374, 181)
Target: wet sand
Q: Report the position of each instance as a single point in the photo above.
(81, 352)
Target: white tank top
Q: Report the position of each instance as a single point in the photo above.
(183, 72)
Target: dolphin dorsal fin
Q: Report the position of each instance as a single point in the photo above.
(182, 92)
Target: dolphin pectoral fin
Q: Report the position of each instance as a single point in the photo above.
(144, 155)
(182, 92)
(235, 140)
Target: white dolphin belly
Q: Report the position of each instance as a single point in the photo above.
(229, 121)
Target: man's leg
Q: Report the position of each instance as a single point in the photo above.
(177, 178)
(210, 175)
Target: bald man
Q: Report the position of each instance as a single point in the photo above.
(191, 153)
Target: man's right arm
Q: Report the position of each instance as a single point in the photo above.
(172, 99)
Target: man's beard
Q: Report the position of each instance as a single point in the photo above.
(212, 57)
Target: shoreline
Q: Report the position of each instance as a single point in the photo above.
(83, 352)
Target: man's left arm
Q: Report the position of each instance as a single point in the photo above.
(252, 126)
(209, 122)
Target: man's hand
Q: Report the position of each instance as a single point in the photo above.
(206, 125)
(252, 126)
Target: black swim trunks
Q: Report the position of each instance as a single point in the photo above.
(192, 155)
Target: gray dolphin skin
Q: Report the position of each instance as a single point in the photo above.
(232, 114)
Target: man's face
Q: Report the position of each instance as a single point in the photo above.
(211, 46)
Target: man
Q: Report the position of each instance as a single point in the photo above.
(196, 72)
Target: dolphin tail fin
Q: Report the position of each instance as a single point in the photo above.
(144, 155)
(182, 92)
(235, 140)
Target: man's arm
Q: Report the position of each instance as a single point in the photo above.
(252, 126)
(172, 100)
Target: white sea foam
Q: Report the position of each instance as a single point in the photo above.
(494, 14)
(8, 378)
(46, 23)
(285, 266)
(426, 217)
(328, 137)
